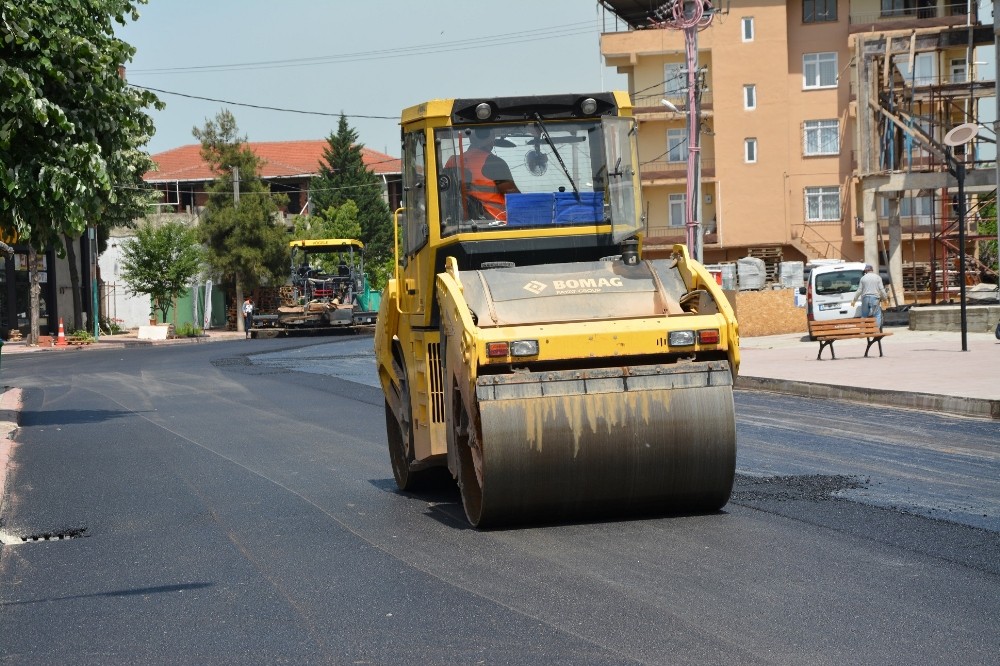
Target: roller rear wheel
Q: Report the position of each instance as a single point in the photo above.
(470, 455)
(400, 436)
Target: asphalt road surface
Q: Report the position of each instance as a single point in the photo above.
(233, 503)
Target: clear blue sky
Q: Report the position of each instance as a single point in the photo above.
(363, 58)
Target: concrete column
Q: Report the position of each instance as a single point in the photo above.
(869, 218)
(895, 250)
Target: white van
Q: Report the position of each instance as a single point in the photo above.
(830, 289)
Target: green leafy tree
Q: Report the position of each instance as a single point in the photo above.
(71, 129)
(344, 177)
(160, 261)
(988, 227)
(336, 222)
(245, 242)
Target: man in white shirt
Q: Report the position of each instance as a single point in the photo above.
(871, 291)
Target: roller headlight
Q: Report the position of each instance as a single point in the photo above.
(680, 338)
(484, 111)
(524, 348)
(588, 106)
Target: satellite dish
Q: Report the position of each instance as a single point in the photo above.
(961, 134)
(536, 161)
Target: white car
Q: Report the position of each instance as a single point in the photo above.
(829, 291)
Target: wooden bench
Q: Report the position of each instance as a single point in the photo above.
(828, 332)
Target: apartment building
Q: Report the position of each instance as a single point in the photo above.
(807, 110)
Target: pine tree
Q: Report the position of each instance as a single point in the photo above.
(244, 242)
(343, 176)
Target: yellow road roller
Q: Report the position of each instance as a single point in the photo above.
(526, 344)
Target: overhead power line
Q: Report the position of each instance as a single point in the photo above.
(260, 106)
(537, 34)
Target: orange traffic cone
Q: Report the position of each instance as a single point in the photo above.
(62, 334)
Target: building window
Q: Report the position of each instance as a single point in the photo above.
(674, 80)
(816, 11)
(750, 150)
(959, 70)
(917, 209)
(678, 210)
(750, 96)
(819, 70)
(822, 204)
(676, 144)
(924, 71)
(746, 28)
(821, 137)
(895, 8)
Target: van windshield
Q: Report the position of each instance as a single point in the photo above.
(838, 282)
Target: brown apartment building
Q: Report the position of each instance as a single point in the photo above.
(822, 125)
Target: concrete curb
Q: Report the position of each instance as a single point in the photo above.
(15, 348)
(948, 404)
(10, 406)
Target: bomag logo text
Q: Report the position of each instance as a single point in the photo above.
(586, 283)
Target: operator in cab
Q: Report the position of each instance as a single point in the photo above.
(487, 177)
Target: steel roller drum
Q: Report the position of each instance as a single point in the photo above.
(635, 440)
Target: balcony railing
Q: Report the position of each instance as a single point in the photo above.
(887, 19)
(667, 170)
(654, 103)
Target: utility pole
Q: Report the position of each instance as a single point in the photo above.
(691, 16)
(996, 128)
(239, 281)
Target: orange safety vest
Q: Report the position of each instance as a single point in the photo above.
(481, 188)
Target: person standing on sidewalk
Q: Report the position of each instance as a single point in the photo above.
(247, 315)
(871, 291)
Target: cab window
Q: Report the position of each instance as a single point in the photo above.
(414, 227)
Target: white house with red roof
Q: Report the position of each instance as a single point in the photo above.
(182, 176)
(288, 167)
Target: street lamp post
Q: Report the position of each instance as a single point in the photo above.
(690, 16)
(958, 170)
(959, 136)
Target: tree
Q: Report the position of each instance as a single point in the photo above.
(988, 227)
(335, 222)
(244, 243)
(343, 176)
(71, 129)
(160, 261)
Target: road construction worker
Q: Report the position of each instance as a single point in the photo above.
(487, 177)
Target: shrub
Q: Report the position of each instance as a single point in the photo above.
(187, 330)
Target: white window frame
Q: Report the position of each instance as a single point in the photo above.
(676, 210)
(919, 209)
(674, 79)
(750, 150)
(750, 97)
(822, 132)
(825, 198)
(747, 31)
(812, 70)
(925, 66)
(676, 145)
(958, 69)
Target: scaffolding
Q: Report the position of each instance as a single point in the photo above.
(904, 113)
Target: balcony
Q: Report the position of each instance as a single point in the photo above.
(663, 237)
(910, 15)
(673, 170)
(646, 105)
